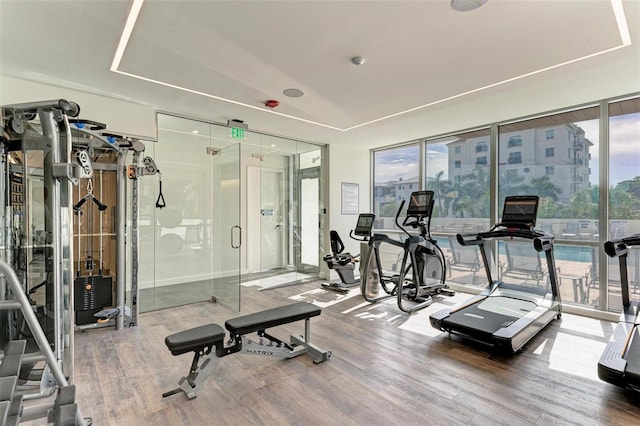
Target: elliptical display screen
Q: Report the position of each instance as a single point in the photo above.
(520, 209)
(365, 224)
(420, 203)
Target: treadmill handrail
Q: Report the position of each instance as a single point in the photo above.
(618, 247)
(542, 242)
(501, 232)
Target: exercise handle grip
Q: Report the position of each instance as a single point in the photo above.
(101, 207)
(79, 204)
(398, 216)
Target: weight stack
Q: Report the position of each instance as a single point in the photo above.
(91, 295)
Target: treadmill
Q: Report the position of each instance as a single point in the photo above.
(506, 316)
(620, 361)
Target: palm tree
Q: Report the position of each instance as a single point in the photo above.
(544, 187)
(621, 203)
(463, 203)
(473, 193)
(440, 188)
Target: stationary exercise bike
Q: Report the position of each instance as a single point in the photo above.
(422, 261)
(344, 263)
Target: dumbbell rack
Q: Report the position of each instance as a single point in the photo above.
(16, 403)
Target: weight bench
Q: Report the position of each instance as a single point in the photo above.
(202, 341)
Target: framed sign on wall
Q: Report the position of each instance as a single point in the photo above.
(350, 198)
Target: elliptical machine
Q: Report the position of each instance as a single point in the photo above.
(344, 263)
(422, 257)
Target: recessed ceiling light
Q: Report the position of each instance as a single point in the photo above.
(466, 5)
(273, 145)
(293, 93)
(195, 132)
(357, 60)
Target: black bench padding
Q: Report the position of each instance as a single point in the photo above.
(271, 318)
(195, 338)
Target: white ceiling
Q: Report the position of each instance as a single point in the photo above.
(428, 69)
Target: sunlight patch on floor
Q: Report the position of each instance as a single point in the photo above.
(277, 280)
(575, 355)
(324, 298)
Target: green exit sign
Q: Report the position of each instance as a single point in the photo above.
(237, 133)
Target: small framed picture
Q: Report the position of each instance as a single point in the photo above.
(350, 198)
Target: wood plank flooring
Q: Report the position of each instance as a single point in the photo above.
(387, 368)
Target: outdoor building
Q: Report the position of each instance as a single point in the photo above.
(559, 152)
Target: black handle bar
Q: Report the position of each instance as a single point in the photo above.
(620, 246)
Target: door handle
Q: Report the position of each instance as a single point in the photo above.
(240, 235)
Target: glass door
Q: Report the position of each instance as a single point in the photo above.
(227, 233)
(309, 210)
(243, 209)
(194, 242)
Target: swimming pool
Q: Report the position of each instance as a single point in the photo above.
(560, 251)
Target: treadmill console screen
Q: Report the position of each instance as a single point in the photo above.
(420, 203)
(521, 209)
(364, 225)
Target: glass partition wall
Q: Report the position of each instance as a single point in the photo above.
(235, 200)
(284, 196)
(582, 162)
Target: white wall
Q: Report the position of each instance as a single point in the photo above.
(120, 116)
(348, 164)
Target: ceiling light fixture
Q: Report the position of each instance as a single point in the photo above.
(293, 93)
(126, 34)
(467, 5)
(357, 60)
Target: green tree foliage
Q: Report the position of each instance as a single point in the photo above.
(441, 189)
(470, 197)
(622, 203)
(388, 209)
(631, 186)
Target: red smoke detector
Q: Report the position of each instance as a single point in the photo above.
(271, 103)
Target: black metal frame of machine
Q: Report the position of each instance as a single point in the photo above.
(506, 316)
(345, 263)
(620, 361)
(422, 258)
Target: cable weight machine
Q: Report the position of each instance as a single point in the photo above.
(101, 298)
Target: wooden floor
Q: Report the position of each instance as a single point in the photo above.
(387, 368)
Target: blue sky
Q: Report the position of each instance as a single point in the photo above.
(624, 155)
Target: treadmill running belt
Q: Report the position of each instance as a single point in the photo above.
(633, 358)
(507, 306)
(483, 319)
(477, 323)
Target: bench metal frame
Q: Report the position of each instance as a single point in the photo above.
(267, 345)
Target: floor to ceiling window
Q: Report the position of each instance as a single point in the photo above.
(624, 192)
(396, 173)
(457, 171)
(556, 156)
